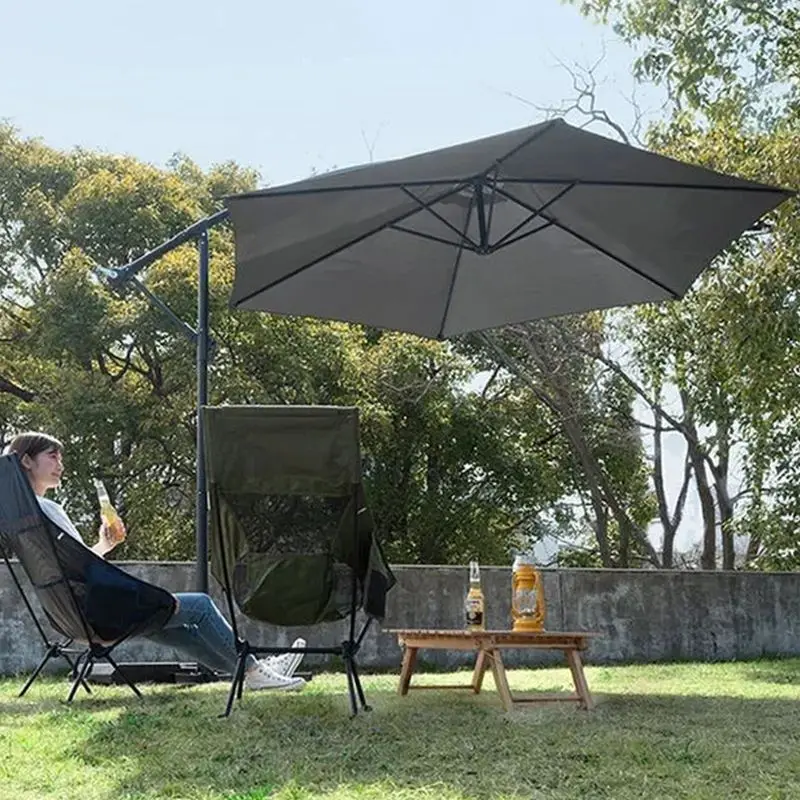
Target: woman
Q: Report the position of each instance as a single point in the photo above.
(197, 627)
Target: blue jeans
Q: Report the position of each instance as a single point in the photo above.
(199, 630)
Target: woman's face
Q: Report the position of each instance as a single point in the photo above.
(44, 470)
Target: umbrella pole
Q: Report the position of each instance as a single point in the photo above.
(201, 505)
(117, 278)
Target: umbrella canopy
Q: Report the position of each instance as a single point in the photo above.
(537, 222)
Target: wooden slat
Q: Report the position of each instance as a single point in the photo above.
(481, 662)
(439, 642)
(579, 679)
(440, 686)
(461, 633)
(501, 680)
(546, 698)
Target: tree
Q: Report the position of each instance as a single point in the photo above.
(555, 360)
(729, 346)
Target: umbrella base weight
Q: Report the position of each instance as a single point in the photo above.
(154, 672)
(180, 672)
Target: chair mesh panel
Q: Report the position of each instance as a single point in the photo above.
(289, 513)
(282, 525)
(296, 562)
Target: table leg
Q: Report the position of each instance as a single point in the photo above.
(407, 670)
(500, 679)
(479, 671)
(579, 679)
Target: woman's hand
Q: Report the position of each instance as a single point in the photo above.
(110, 536)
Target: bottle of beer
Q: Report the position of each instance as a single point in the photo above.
(108, 513)
(474, 602)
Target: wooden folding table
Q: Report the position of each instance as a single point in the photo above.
(488, 645)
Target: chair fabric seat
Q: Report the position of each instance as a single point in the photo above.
(84, 597)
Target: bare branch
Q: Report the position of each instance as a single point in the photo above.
(370, 143)
(8, 387)
(491, 380)
(584, 102)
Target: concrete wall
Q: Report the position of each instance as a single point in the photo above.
(641, 616)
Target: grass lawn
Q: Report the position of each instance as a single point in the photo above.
(689, 731)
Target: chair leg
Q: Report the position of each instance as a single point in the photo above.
(236, 684)
(359, 689)
(84, 671)
(51, 651)
(74, 670)
(240, 687)
(351, 690)
(123, 675)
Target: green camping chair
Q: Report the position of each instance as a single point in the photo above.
(291, 537)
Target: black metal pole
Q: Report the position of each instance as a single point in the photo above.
(121, 275)
(201, 516)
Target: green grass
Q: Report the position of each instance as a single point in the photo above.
(688, 731)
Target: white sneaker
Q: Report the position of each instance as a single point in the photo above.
(286, 663)
(260, 676)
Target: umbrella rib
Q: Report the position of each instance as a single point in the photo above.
(353, 187)
(431, 237)
(596, 246)
(650, 185)
(547, 126)
(522, 236)
(534, 213)
(456, 265)
(480, 176)
(675, 295)
(492, 200)
(360, 187)
(386, 225)
(427, 207)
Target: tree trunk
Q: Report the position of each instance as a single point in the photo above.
(726, 507)
(596, 478)
(558, 398)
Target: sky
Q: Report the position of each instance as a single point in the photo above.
(289, 88)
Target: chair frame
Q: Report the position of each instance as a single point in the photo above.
(347, 650)
(53, 649)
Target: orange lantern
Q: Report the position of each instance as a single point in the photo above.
(527, 595)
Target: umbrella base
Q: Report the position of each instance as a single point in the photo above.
(154, 672)
(180, 672)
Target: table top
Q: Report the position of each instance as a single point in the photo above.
(507, 635)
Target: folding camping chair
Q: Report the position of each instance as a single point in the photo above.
(52, 648)
(292, 540)
(85, 598)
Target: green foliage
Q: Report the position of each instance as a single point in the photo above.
(731, 346)
(707, 51)
(557, 360)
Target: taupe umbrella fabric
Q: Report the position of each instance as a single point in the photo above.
(537, 222)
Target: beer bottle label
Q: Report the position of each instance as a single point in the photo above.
(474, 611)
(474, 617)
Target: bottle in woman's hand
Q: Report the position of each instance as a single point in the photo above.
(111, 520)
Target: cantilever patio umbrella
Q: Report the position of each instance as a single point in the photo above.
(537, 222)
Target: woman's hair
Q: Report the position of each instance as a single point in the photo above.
(32, 443)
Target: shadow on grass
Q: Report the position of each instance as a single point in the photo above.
(35, 702)
(456, 745)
